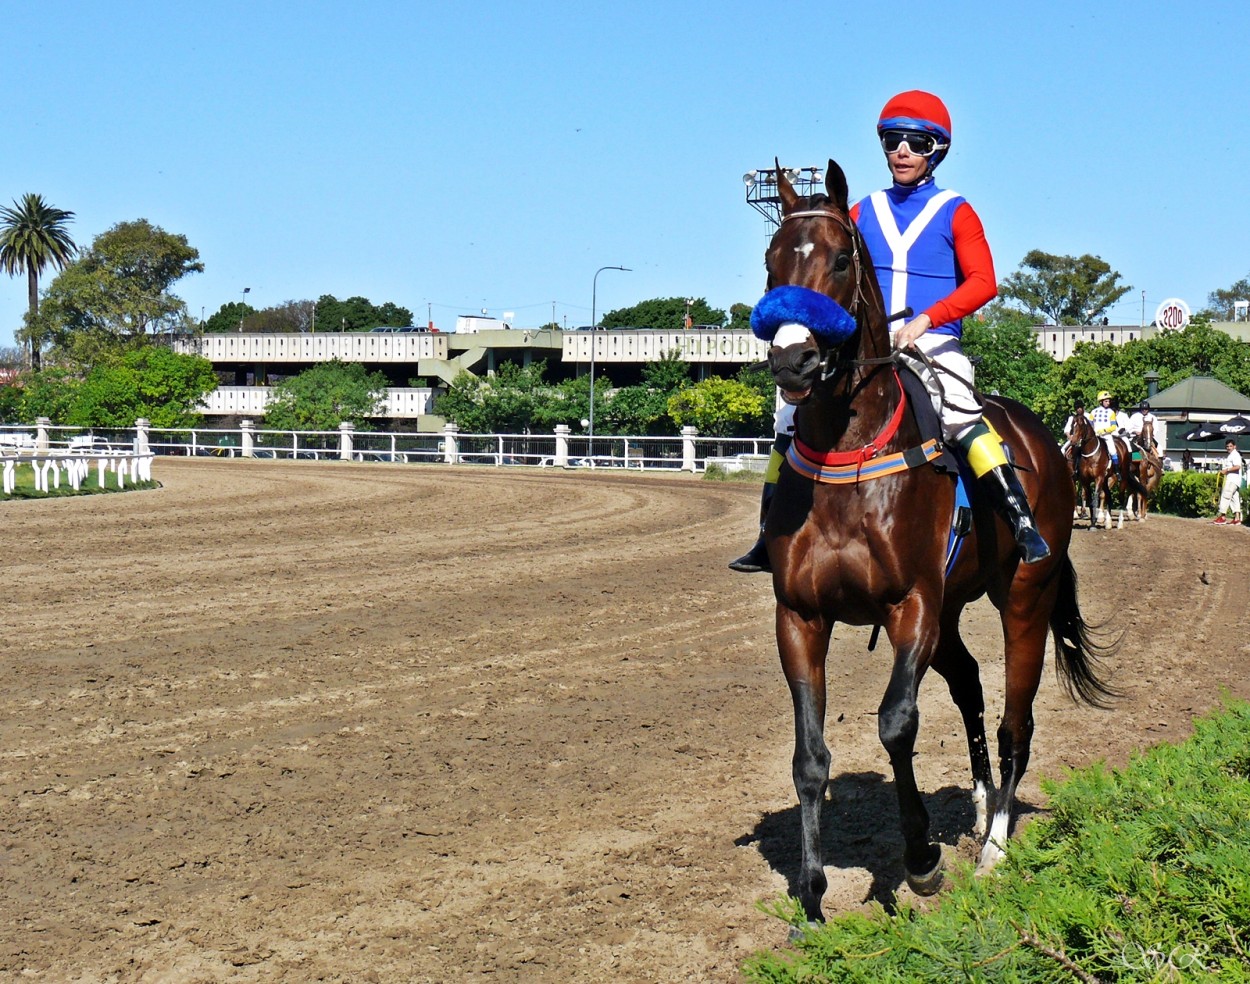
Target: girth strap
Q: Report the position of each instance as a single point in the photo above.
(806, 462)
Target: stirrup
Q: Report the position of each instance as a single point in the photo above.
(1033, 547)
(754, 561)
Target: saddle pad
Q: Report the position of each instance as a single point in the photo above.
(921, 405)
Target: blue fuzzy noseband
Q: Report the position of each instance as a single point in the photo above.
(821, 315)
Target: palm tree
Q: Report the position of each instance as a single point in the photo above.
(32, 235)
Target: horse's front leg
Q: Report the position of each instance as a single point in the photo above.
(913, 629)
(803, 645)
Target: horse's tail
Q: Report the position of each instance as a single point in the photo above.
(1078, 646)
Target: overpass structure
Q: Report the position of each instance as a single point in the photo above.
(419, 365)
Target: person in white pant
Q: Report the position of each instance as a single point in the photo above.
(1230, 494)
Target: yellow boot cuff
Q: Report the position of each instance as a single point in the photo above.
(773, 472)
(985, 453)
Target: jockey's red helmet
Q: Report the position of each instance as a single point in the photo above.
(918, 111)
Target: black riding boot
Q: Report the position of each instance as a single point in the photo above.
(1009, 501)
(755, 560)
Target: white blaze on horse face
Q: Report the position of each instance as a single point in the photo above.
(791, 334)
(804, 251)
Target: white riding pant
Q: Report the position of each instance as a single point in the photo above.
(783, 417)
(1230, 495)
(950, 387)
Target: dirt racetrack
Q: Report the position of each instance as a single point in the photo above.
(297, 721)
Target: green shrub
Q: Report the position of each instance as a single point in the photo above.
(1140, 874)
(1188, 493)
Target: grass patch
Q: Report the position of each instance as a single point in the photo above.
(715, 473)
(25, 487)
(1140, 874)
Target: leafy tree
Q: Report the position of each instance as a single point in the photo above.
(119, 290)
(358, 314)
(32, 236)
(643, 409)
(1220, 302)
(760, 381)
(11, 403)
(229, 317)
(153, 382)
(667, 313)
(1068, 290)
(717, 407)
(1011, 364)
(739, 317)
(50, 393)
(516, 399)
(322, 397)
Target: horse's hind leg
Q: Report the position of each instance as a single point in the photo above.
(1025, 619)
(803, 647)
(912, 632)
(959, 669)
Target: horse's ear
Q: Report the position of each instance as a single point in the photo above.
(789, 197)
(835, 185)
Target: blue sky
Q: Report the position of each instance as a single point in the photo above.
(452, 157)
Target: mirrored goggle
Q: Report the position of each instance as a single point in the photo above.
(921, 144)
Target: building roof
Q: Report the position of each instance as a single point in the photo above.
(1201, 393)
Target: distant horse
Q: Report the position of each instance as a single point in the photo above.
(1149, 470)
(1095, 473)
(858, 533)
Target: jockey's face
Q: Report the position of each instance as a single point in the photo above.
(1106, 402)
(908, 168)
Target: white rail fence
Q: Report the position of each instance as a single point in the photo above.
(56, 454)
(57, 447)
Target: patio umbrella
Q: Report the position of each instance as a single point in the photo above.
(1235, 426)
(1203, 432)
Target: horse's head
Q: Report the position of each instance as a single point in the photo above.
(817, 268)
(1082, 429)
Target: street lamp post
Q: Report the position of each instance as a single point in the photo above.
(246, 291)
(594, 287)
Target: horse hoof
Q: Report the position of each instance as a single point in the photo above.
(799, 933)
(991, 854)
(928, 883)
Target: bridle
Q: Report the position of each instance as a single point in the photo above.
(1088, 435)
(828, 367)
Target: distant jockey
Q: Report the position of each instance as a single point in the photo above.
(1103, 417)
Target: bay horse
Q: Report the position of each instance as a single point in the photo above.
(871, 551)
(1096, 475)
(1149, 470)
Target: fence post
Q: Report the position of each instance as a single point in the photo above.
(141, 435)
(346, 428)
(451, 443)
(562, 446)
(41, 432)
(246, 430)
(688, 435)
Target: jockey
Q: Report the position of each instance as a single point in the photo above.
(1103, 417)
(1138, 420)
(1077, 408)
(930, 254)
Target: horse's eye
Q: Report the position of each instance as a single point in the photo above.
(842, 262)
